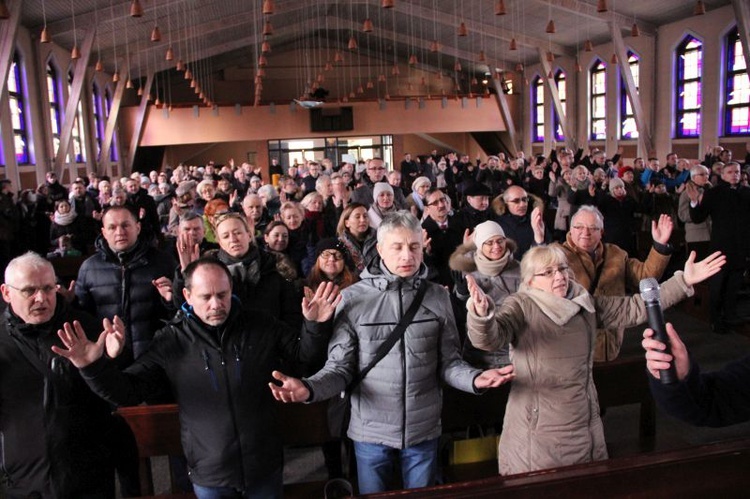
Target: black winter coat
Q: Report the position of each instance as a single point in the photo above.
(257, 284)
(53, 429)
(219, 376)
(729, 209)
(121, 284)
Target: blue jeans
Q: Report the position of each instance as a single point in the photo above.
(271, 487)
(376, 465)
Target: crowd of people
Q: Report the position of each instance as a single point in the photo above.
(208, 279)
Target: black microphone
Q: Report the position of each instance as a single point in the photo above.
(651, 294)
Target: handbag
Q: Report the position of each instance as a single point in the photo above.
(474, 449)
(339, 410)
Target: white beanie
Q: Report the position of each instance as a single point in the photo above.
(380, 187)
(487, 230)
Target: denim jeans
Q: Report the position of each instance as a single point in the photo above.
(271, 487)
(376, 465)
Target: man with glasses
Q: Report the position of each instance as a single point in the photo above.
(697, 235)
(53, 429)
(728, 205)
(524, 226)
(374, 173)
(444, 231)
(605, 269)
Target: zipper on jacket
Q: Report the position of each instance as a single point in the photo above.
(3, 467)
(209, 369)
(403, 366)
(230, 403)
(237, 363)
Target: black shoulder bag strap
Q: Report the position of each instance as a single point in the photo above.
(397, 333)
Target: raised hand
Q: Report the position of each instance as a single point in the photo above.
(164, 286)
(661, 230)
(114, 340)
(693, 192)
(69, 293)
(479, 300)
(323, 303)
(290, 390)
(79, 350)
(492, 378)
(468, 237)
(537, 225)
(188, 250)
(657, 359)
(696, 272)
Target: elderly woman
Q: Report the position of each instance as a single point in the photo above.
(552, 418)
(382, 194)
(415, 200)
(559, 188)
(356, 235)
(488, 258)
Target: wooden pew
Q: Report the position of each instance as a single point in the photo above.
(157, 433)
(715, 470)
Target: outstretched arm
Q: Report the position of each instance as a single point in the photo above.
(290, 390)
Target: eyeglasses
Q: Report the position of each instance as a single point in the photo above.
(519, 200)
(30, 291)
(331, 255)
(494, 242)
(376, 168)
(437, 202)
(563, 269)
(589, 228)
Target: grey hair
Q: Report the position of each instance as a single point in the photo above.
(250, 195)
(401, 219)
(269, 190)
(29, 260)
(697, 170)
(541, 257)
(587, 208)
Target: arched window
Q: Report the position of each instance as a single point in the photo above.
(537, 105)
(54, 101)
(79, 135)
(688, 87)
(737, 91)
(628, 128)
(113, 152)
(96, 105)
(17, 97)
(562, 92)
(598, 101)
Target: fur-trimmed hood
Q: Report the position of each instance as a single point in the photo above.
(463, 257)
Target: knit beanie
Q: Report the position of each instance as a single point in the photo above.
(487, 230)
(380, 187)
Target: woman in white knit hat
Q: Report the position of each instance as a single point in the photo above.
(488, 258)
(382, 194)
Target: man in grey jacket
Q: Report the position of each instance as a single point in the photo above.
(395, 410)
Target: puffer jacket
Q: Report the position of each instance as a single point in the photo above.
(398, 403)
(53, 430)
(618, 275)
(219, 377)
(111, 284)
(552, 417)
(497, 287)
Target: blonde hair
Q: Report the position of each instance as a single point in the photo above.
(541, 257)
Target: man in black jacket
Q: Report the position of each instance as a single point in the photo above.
(54, 431)
(218, 358)
(728, 205)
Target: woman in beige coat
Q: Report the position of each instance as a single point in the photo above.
(552, 418)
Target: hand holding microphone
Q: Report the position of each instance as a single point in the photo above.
(651, 294)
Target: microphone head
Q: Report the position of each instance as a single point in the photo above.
(650, 290)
